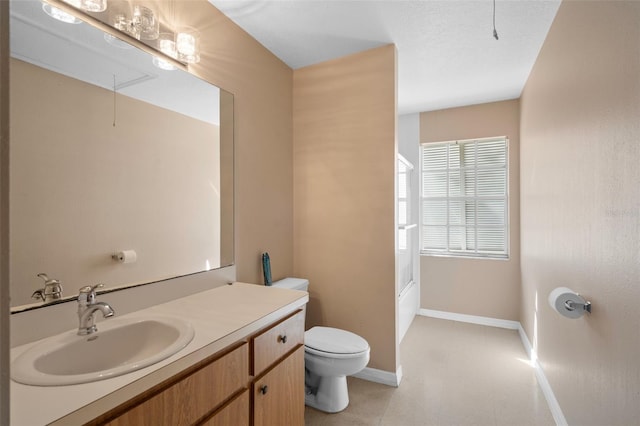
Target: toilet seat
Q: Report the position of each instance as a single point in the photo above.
(334, 343)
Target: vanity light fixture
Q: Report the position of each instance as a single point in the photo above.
(146, 21)
(88, 5)
(188, 45)
(121, 23)
(61, 15)
(143, 24)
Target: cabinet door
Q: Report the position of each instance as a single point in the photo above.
(276, 341)
(235, 413)
(278, 396)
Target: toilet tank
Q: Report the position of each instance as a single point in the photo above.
(292, 283)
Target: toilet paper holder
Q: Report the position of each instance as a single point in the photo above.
(569, 303)
(125, 256)
(572, 305)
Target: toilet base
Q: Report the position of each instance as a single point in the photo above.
(331, 395)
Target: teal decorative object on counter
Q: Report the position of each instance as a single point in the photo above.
(266, 268)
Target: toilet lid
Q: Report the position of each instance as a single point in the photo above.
(335, 341)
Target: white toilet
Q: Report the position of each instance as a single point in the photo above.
(330, 354)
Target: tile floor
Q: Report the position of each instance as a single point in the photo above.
(454, 373)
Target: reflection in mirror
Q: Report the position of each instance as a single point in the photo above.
(111, 154)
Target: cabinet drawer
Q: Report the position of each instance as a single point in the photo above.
(276, 341)
(235, 413)
(278, 396)
(190, 399)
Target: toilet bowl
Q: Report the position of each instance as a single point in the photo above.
(330, 355)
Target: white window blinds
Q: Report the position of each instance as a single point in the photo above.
(464, 198)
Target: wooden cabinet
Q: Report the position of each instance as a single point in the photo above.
(257, 381)
(278, 368)
(278, 396)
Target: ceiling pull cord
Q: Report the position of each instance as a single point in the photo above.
(495, 33)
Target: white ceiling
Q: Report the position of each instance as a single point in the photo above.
(447, 55)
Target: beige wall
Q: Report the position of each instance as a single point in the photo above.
(485, 287)
(580, 166)
(262, 85)
(344, 174)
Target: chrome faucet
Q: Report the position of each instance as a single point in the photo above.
(52, 289)
(87, 306)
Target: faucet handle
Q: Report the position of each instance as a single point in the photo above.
(88, 294)
(48, 281)
(38, 294)
(52, 288)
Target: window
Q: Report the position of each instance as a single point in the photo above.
(407, 229)
(403, 202)
(464, 198)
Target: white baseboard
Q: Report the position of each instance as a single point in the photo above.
(381, 376)
(552, 402)
(544, 384)
(473, 319)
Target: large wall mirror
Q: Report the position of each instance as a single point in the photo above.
(111, 153)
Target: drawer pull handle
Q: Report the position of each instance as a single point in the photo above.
(264, 389)
(282, 339)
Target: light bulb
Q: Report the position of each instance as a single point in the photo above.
(146, 22)
(167, 45)
(188, 45)
(121, 23)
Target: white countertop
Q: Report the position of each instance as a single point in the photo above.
(220, 317)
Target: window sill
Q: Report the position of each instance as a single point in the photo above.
(464, 256)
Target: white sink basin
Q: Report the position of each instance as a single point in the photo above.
(120, 346)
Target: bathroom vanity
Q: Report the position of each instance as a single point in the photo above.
(244, 366)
